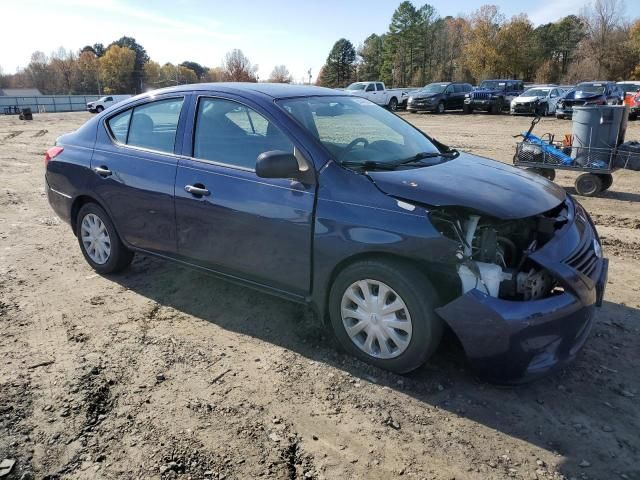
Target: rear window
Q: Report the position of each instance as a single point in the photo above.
(151, 125)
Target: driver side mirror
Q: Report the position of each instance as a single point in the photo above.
(277, 164)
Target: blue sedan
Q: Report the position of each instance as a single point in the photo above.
(330, 200)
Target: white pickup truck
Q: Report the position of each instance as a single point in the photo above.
(105, 102)
(377, 93)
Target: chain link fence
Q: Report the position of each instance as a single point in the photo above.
(46, 103)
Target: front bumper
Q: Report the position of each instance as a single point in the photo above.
(524, 109)
(511, 342)
(421, 107)
(479, 104)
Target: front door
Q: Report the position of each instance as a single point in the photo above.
(135, 167)
(229, 219)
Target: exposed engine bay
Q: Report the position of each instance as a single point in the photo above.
(494, 254)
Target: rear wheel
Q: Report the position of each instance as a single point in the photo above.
(99, 241)
(588, 184)
(393, 104)
(382, 312)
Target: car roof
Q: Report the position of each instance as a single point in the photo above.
(273, 90)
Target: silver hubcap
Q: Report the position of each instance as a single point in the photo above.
(376, 319)
(95, 239)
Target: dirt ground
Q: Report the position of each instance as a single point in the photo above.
(163, 372)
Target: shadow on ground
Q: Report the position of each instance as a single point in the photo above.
(586, 412)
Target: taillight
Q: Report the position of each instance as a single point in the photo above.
(52, 153)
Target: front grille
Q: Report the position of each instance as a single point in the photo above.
(481, 95)
(584, 258)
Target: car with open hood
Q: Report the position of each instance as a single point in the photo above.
(329, 200)
(438, 97)
(539, 100)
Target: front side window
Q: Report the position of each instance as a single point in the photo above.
(359, 133)
(108, 99)
(233, 134)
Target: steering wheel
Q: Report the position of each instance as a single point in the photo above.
(353, 143)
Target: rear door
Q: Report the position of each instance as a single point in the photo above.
(240, 224)
(134, 164)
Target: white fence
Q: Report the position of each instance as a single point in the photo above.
(46, 103)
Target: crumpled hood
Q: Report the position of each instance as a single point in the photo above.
(484, 185)
(526, 99)
(579, 95)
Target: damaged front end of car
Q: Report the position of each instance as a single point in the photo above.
(527, 288)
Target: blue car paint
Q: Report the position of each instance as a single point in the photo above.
(290, 239)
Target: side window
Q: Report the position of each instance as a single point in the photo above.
(108, 99)
(459, 88)
(449, 89)
(154, 125)
(119, 126)
(230, 133)
(370, 88)
(379, 87)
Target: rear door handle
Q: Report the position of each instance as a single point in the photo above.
(102, 171)
(197, 190)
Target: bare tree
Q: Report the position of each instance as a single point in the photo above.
(280, 74)
(603, 19)
(237, 68)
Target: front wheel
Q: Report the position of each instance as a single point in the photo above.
(393, 104)
(382, 312)
(99, 241)
(467, 109)
(99, 109)
(440, 108)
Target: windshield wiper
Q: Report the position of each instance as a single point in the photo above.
(369, 165)
(423, 155)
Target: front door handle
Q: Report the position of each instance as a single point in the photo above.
(197, 190)
(103, 171)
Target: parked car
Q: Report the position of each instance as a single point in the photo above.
(633, 101)
(493, 96)
(379, 94)
(105, 102)
(326, 199)
(438, 97)
(586, 93)
(539, 100)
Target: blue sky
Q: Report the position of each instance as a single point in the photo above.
(295, 33)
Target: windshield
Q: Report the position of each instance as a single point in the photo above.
(359, 133)
(492, 85)
(536, 92)
(594, 89)
(629, 87)
(357, 86)
(434, 88)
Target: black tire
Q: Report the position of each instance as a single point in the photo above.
(467, 109)
(420, 298)
(548, 173)
(496, 108)
(99, 109)
(411, 111)
(560, 117)
(588, 184)
(440, 108)
(393, 104)
(119, 257)
(544, 110)
(607, 180)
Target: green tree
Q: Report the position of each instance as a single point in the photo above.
(339, 69)
(400, 53)
(372, 54)
(481, 56)
(195, 67)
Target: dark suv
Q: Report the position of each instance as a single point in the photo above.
(493, 96)
(439, 97)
